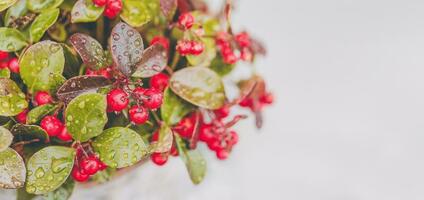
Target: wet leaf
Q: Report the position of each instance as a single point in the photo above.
(12, 99)
(36, 114)
(42, 5)
(49, 168)
(199, 86)
(205, 58)
(21, 194)
(164, 142)
(194, 161)
(79, 85)
(126, 47)
(174, 108)
(72, 62)
(19, 9)
(4, 73)
(42, 65)
(168, 8)
(23, 132)
(90, 50)
(220, 67)
(11, 40)
(6, 138)
(153, 61)
(58, 32)
(42, 23)
(135, 12)
(12, 169)
(64, 192)
(120, 147)
(86, 116)
(4, 4)
(85, 11)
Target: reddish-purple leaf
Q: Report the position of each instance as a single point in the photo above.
(126, 46)
(90, 50)
(153, 62)
(168, 8)
(81, 84)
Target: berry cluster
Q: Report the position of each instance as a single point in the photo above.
(186, 21)
(256, 104)
(187, 47)
(86, 165)
(227, 46)
(11, 63)
(161, 158)
(112, 7)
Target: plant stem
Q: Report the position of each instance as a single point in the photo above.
(175, 60)
(100, 26)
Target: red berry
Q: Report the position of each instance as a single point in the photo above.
(113, 8)
(230, 58)
(64, 135)
(102, 165)
(52, 125)
(13, 65)
(4, 55)
(185, 127)
(173, 151)
(205, 133)
(267, 98)
(4, 64)
(90, 72)
(22, 116)
(117, 100)
(153, 98)
(159, 158)
(159, 81)
(105, 72)
(243, 39)
(138, 114)
(78, 175)
(215, 144)
(222, 154)
(184, 47)
(100, 3)
(222, 112)
(196, 47)
(160, 40)
(246, 102)
(89, 165)
(186, 20)
(233, 138)
(155, 136)
(246, 55)
(42, 97)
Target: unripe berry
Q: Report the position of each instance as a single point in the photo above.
(160, 40)
(52, 125)
(186, 20)
(22, 116)
(159, 158)
(138, 114)
(117, 100)
(159, 81)
(13, 65)
(64, 135)
(42, 97)
(78, 175)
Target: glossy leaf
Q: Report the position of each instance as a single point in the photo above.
(58, 32)
(85, 11)
(64, 192)
(154, 61)
(79, 85)
(18, 9)
(42, 23)
(41, 5)
(135, 12)
(120, 147)
(174, 108)
(12, 169)
(42, 65)
(126, 47)
(6, 138)
(205, 58)
(194, 161)
(90, 50)
(4, 4)
(199, 86)
(164, 142)
(11, 40)
(12, 99)
(23, 132)
(168, 8)
(36, 114)
(49, 168)
(72, 62)
(86, 116)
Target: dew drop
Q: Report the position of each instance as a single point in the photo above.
(116, 36)
(39, 172)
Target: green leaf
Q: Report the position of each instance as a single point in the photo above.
(64, 192)
(72, 62)
(23, 132)
(42, 65)
(12, 169)
(164, 142)
(86, 116)
(135, 12)
(120, 147)
(4, 73)
(36, 114)
(19, 9)
(154, 61)
(220, 67)
(58, 33)
(6, 138)
(205, 58)
(12, 99)
(195, 163)
(126, 47)
(4, 4)
(41, 5)
(199, 86)
(90, 50)
(174, 108)
(85, 11)
(11, 40)
(42, 23)
(49, 168)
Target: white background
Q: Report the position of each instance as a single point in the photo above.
(347, 124)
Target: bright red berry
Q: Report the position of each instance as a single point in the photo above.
(4, 64)
(42, 97)
(174, 150)
(13, 65)
(243, 39)
(233, 138)
(159, 158)
(215, 144)
(113, 8)
(160, 40)
(246, 102)
(52, 125)
(117, 100)
(184, 47)
(222, 154)
(22, 116)
(4, 55)
(267, 98)
(159, 81)
(185, 127)
(100, 3)
(138, 114)
(153, 98)
(105, 72)
(186, 20)
(78, 175)
(205, 133)
(90, 72)
(196, 47)
(102, 165)
(89, 165)
(222, 112)
(64, 135)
